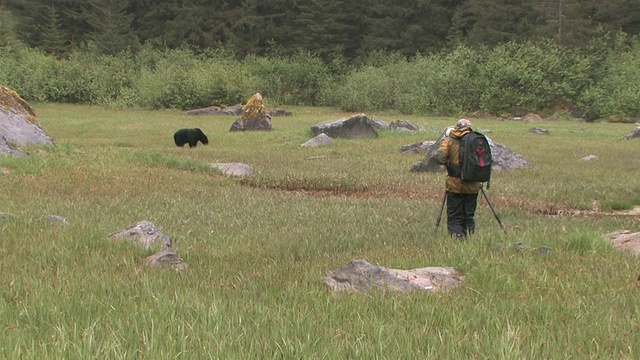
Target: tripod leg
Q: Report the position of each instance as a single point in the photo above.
(444, 200)
(493, 210)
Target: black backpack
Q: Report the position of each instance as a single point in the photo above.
(475, 158)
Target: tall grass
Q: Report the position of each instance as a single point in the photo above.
(256, 255)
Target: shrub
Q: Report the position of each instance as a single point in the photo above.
(293, 80)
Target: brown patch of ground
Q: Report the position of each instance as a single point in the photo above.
(498, 200)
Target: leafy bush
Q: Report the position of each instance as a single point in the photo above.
(601, 78)
(181, 79)
(617, 93)
(293, 80)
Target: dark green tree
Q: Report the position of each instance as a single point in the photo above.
(54, 39)
(110, 25)
(331, 28)
(491, 22)
(407, 27)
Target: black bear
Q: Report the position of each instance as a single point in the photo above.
(190, 136)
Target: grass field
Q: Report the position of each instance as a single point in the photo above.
(257, 249)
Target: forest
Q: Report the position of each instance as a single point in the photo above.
(428, 57)
(348, 29)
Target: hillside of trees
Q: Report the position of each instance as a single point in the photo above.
(328, 28)
(431, 57)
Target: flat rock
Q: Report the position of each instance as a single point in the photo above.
(625, 240)
(233, 169)
(166, 259)
(589, 158)
(634, 134)
(361, 276)
(144, 233)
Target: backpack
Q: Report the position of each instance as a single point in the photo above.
(475, 158)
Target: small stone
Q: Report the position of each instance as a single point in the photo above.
(589, 158)
(166, 259)
(57, 219)
(544, 250)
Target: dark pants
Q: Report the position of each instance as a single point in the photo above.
(461, 209)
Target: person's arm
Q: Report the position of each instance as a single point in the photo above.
(442, 155)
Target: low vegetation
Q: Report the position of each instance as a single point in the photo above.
(257, 248)
(599, 80)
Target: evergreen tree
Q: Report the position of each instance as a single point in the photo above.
(490, 22)
(8, 36)
(111, 25)
(29, 17)
(407, 27)
(54, 40)
(331, 28)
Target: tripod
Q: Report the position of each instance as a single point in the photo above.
(484, 194)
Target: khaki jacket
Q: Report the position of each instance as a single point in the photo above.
(449, 153)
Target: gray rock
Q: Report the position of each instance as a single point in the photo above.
(354, 127)
(503, 158)
(537, 130)
(19, 125)
(232, 169)
(634, 134)
(417, 148)
(589, 158)
(625, 240)
(252, 124)
(234, 110)
(144, 233)
(5, 217)
(321, 139)
(9, 150)
(57, 219)
(379, 123)
(403, 125)
(361, 276)
(544, 250)
(166, 259)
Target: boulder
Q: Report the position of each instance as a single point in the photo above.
(417, 148)
(8, 149)
(232, 169)
(353, 127)
(503, 158)
(319, 140)
(361, 276)
(403, 125)
(18, 122)
(625, 240)
(254, 116)
(634, 134)
(144, 233)
(379, 123)
(252, 124)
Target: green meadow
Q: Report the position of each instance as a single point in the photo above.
(257, 248)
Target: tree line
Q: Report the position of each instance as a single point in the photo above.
(348, 29)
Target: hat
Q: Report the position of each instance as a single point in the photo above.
(462, 124)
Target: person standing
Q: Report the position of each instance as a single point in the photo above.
(462, 196)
